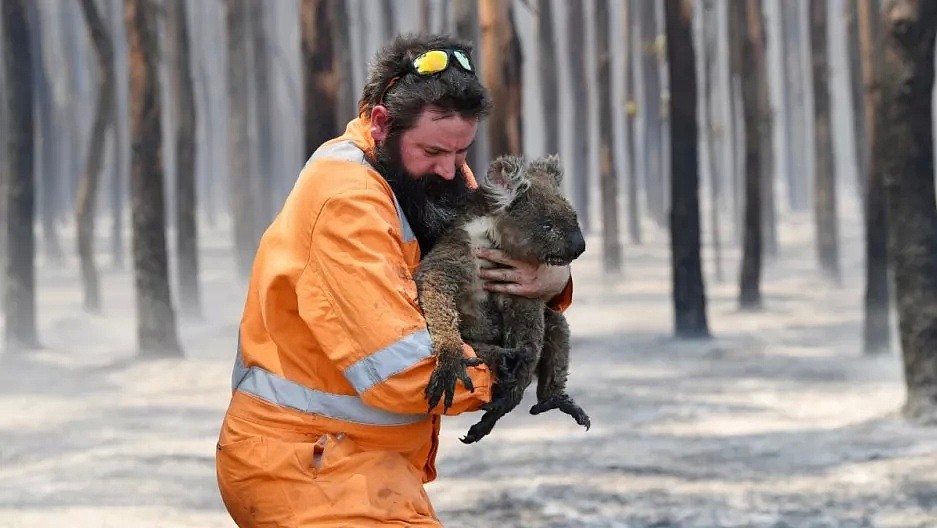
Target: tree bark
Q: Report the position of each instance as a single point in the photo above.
(264, 179)
(239, 147)
(876, 336)
(549, 78)
(827, 236)
(710, 122)
(20, 280)
(652, 44)
(856, 88)
(579, 162)
(747, 16)
(907, 154)
(387, 16)
(795, 94)
(608, 177)
(186, 194)
(689, 293)
(347, 92)
(631, 114)
(156, 325)
(320, 74)
(501, 54)
(466, 28)
(88, 188)
(119, 133)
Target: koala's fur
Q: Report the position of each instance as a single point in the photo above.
(519, 209)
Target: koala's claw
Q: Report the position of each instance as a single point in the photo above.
(564, 403)
(443, 380)
(477, 432)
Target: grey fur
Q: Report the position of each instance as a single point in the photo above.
(519, 209)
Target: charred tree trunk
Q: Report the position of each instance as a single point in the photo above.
(387, 16)
(824, 166)
(651, 49)
(425, 17)
(347, 96)
(501, 53)
(860, 136)
(689, 293)
(608, 177)
(239, 149)
(709, 72)
(579, 164)
(466, 28)
(876, 328)
(907, 150)
(156, 324)
(265, 178)
(119, 133)
(549, 79)
(631, 114)
(795, 94)
(20, 281)
(186, 198)
(320, 74)
(747, 15)
(88, 188)
(765, 134)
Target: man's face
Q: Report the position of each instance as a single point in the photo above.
(423, 166)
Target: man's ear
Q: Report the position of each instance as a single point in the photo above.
(380, 123)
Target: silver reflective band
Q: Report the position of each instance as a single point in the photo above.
(348, 151)
(390, 360)
(281, 391)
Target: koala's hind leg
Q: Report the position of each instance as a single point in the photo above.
(523, 332)
(553, 369)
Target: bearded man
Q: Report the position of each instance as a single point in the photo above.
(328, 423)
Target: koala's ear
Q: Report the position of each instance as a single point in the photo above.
(504, 172)
(550, 167)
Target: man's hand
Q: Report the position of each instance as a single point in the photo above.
(525, 279)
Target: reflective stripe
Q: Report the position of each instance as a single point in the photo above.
(390, 360)
(281, 391)
(348, 151)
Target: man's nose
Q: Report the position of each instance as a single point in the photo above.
(445, 169)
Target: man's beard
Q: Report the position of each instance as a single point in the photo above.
(430, 203)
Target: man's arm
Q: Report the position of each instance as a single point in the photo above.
(357, 265)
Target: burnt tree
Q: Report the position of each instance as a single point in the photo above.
(19, 296)
(501, 70)
(549, 77)
(631, 42)
(320, 74)
(824, 199)
(689, 293)
(608, 176)
(876, 335)
(239, 145)
(579, 162)
(907, 155)
(651, 48)
(156, 323)
(88, 188)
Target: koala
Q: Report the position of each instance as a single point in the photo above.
(520, 210)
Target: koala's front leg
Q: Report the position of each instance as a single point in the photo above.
(438, 293)
(553, 369)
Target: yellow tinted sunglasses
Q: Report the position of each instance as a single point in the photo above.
(435, 61)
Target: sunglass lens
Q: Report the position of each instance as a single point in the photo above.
(463, 60)
(431, 62)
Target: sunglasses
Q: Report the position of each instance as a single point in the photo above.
(431, 62)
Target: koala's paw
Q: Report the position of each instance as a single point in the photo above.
(443, 380)
(564, 403)
(479, 430)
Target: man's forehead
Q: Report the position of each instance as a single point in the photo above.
(447, 131)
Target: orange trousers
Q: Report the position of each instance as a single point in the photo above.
(301, 479)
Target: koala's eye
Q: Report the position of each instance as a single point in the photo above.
(547, 226)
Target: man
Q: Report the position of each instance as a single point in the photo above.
(328, 423)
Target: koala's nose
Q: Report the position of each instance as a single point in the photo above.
(577, 243)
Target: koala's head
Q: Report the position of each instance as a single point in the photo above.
(532, 218)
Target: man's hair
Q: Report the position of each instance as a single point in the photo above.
(452, 90)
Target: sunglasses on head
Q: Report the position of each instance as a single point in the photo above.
(431, 62)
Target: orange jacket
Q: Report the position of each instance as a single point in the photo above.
(332, 339)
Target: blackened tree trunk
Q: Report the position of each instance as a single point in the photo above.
(651, 49)
(689, 293)
(119, 133)
(20, 281)
(186, 198)
(387, 17)
(320, 74)
(88, 188)
(549, 79)
(876, 329)
(908, 164)
(857, 93)
(579, 164)
(425, 16)
(709, 28)
(747, 16)
(239, 148)
(501, 53)
(631, 114)
(795, 94)
(466, 28)
(824, 167)
(156, 324)
(347, 92)
(608, 177)
(264, 180)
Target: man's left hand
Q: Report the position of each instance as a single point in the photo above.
(525, 279)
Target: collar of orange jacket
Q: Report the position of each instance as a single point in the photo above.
(359, 131)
